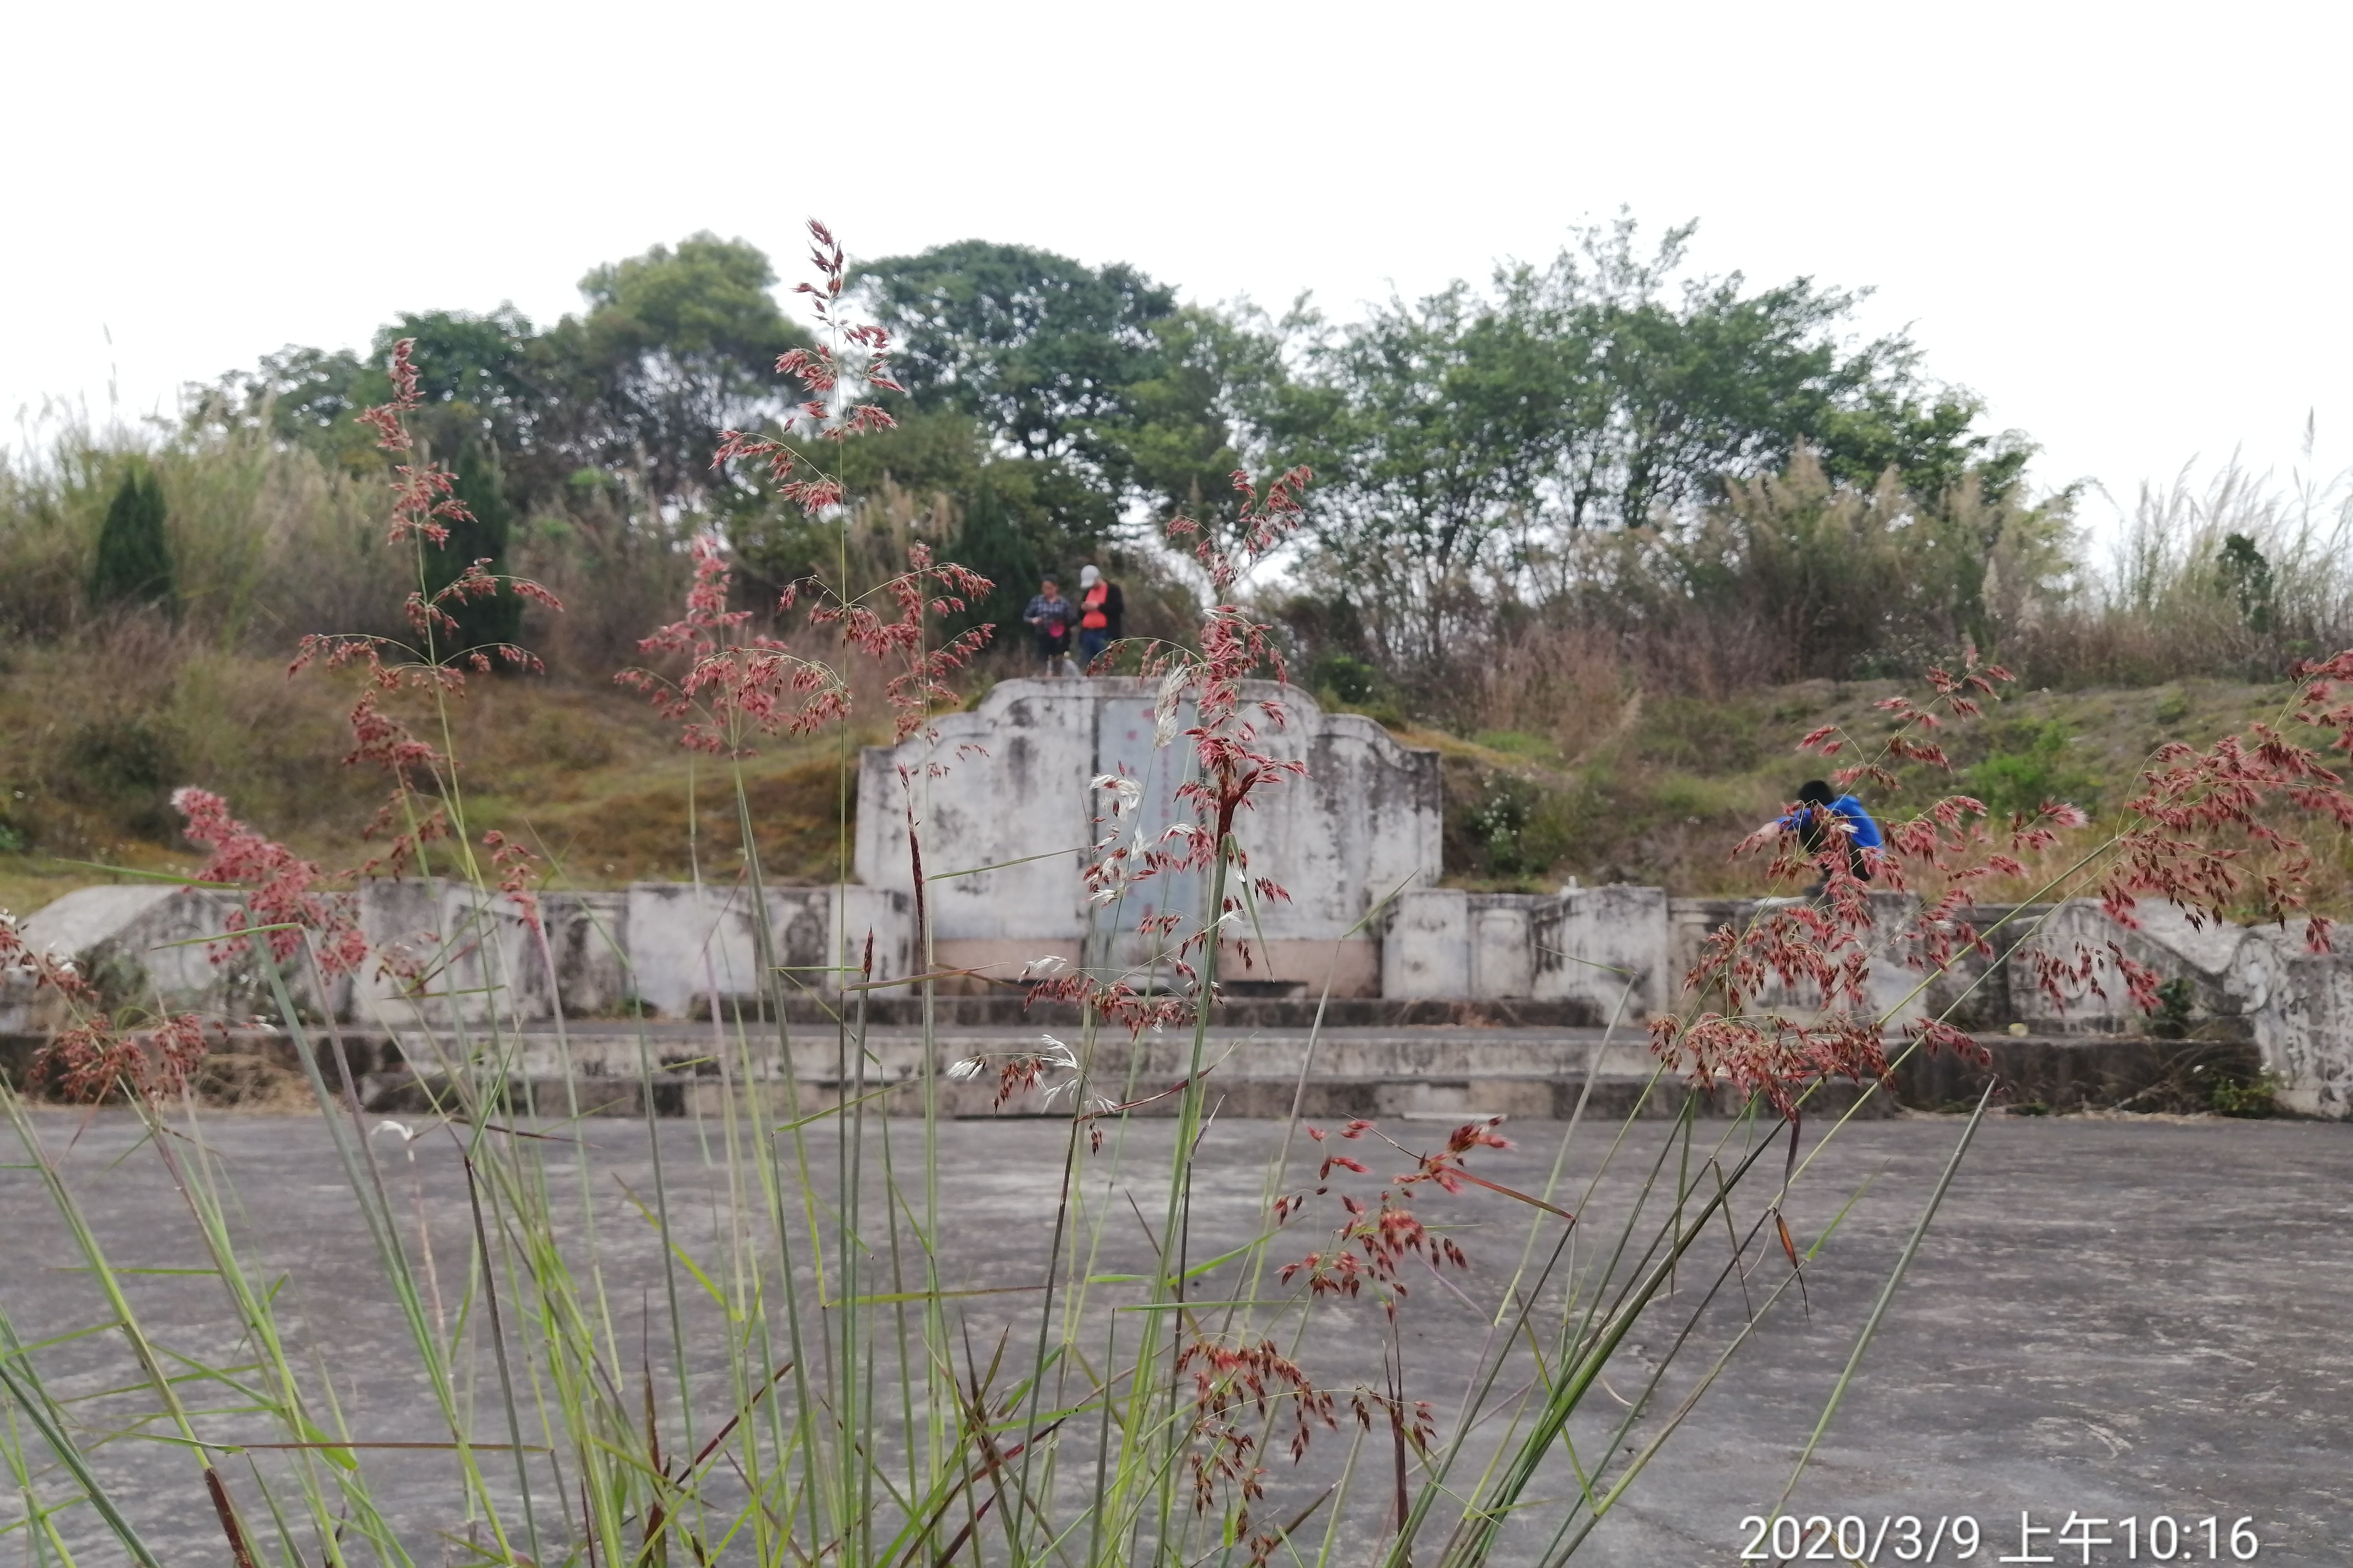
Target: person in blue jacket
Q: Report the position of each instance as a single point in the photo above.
(1818, 809)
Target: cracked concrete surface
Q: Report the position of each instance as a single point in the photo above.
(2109, 1317)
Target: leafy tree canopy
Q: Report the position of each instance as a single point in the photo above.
(674, 347)
(1463, 442)
(1042, 350)
(1470, 446)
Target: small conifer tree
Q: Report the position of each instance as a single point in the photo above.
(134, 562)
(481, 623)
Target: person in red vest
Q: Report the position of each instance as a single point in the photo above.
(1100, 611)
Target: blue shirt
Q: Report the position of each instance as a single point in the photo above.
(1847, 808)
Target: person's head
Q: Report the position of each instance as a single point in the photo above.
(1089, 576)
(1814, 791)
(1049, 586)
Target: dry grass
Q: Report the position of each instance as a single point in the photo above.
(1658, 789)
(100, 730)
(1593, 767)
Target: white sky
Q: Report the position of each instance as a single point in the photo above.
(2125, 226)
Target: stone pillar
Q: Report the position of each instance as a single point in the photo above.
(1426, 949)
(2306, 1037)
(1589, 942)
(1502, 957)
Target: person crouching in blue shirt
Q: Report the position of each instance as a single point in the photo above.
(1820, 815)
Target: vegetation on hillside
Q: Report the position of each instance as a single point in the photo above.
(1596, 527)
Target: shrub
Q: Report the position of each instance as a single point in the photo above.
(1346, 677)
(2255, 1096)
(2029, 765)
(133, 563)
(2171, 1019)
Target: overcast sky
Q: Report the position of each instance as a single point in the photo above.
(2124, 225)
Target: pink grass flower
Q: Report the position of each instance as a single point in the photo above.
(281, 888)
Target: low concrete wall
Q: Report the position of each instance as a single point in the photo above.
(2249, 985)
(688, 945)
(444, 953)
(145, 943)
(1607, 948)
(1591, 953)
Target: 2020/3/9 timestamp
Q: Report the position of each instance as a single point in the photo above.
(1958, 1538)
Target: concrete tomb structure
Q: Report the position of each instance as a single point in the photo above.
(1005, 809)
(1006, 831)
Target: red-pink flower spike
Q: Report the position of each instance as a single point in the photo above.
(93, 1061)
(741, 684)
(518, 869)
(281, 888)
(425, 498)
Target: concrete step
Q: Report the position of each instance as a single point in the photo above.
(1383, 1073)
(1275, 1004)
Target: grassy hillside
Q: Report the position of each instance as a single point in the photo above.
(1658, 788)
(96, 740)
(1629, 786)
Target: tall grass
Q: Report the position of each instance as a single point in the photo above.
(2239, 578)
(818, 1368)
(1795, 577)
(267, 541)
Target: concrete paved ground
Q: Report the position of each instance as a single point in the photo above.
(2110, 1317)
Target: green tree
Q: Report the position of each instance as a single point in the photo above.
(676, 348)
(1199, 413)
(1465, 443)
(484, 623)
(474, 373)
(2246, 577)
(1042, 350)
(1115, 396)
(1419, 436)
(133, 563)
(983, 507)
(304, 396)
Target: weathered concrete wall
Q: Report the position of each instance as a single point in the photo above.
(1005, 832)
(1600, 946)
(143, 944)
(2251, 983)
(688, 945)
(2307, 1037)
(1366, 822)
(2254, 985)
(1609, 945)
(443, 951)
(1426, 944)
